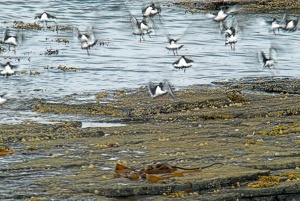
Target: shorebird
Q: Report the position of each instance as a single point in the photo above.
(277, 24)
(8, 69)
(292, 25)
(87, 39)
(11, 40)
(183, 63)
(140, 28)
(173, 46)
(222, 14)
(268, 62)
(2, 100)
(87, 45)
(161, 89)
(83, 37)
(45, 17)
(232, 39)
(151, 10)
(228, 30)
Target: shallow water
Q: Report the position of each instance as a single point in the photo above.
(124, 62)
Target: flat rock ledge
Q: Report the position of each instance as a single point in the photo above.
(252, 126)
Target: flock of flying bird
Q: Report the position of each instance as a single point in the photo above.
(150, 16)
(142, 28)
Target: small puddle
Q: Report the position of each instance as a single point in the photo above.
(100, 124)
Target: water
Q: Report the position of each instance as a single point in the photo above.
(126, 63)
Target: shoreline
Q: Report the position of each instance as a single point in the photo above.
(252, 134)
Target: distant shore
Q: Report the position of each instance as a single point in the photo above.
(248, 6)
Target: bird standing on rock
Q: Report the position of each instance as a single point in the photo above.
(161, 89)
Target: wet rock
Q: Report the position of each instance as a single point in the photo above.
(254, 132)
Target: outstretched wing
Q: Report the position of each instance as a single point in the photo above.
(92, 43)
(2, 95)
(90, 32)
(134, 22)
(168, 88)
(264, 57)
(272, 53)
(51, 16)
(152, 89)
(176, 62)
(38, 15)
(188, 60)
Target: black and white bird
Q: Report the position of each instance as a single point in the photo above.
(268, 62)
(140, 27)
(8, 69)
(232, 39)
(2, 99)
(276, 24)
(151, 10)
(222, 14)
(173, 45)
(183, 63)
(12, 40)
(87, 40)
(292, 25)
(87, 45)
(227, 30)
(45, 17)
(157, 90)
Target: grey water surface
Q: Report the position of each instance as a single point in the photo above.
(124, 62)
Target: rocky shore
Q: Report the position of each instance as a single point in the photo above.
(251, 126)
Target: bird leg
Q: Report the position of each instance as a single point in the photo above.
(142, 38)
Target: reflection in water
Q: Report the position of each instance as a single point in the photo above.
(124, 62)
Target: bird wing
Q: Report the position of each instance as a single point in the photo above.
(38, 15)
(144, 8)
(210, 16)
(13, 66)
(20, 37)
(168, 88)
(5, 35)
(296, 21)
(92, 43)
(283, 19)
(134, 22)
(51, 16)
(185, 31)
(76, 32)
(90, 32)
(151, 89)
(2, 95)
(234, 9)
(176, 62)
(272, 53)
(188, 60)
(223, 26)
(264, 57)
